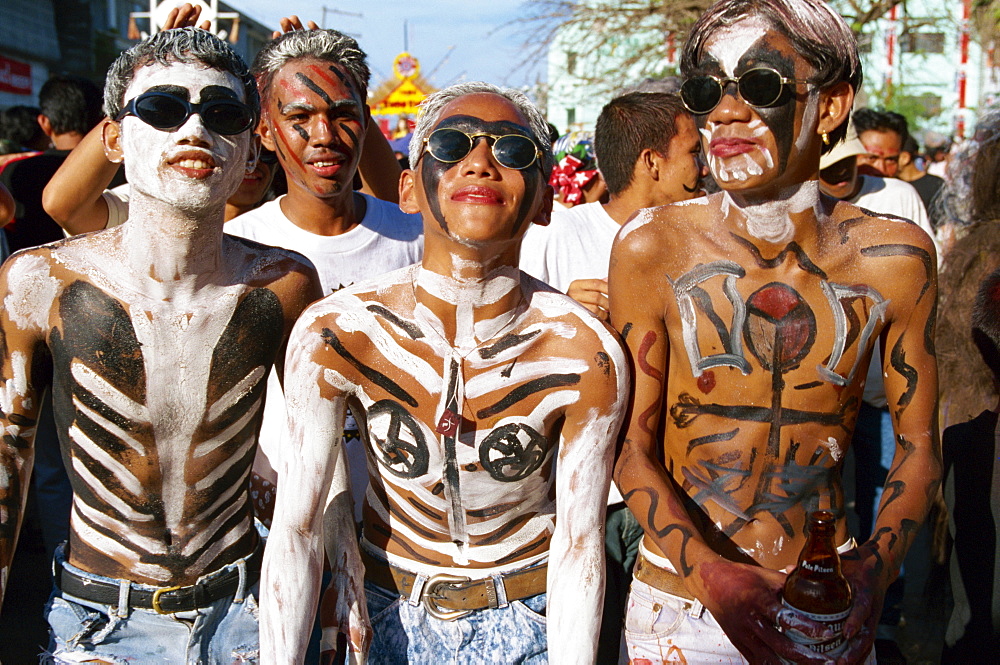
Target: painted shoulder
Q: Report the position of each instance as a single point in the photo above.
(29, 287)
(662, 222)
(359, 295)
(855, 223)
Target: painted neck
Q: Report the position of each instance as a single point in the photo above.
(468, 302)
(782, 219)
(169, 245)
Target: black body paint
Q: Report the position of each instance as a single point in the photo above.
(898, 361)
(309, 83)
(398, 455)
(712, 438)
(373, 375)
(411, 329)
(793, 248)
(526, 390)
(508, 341)
(508, 458)
(906, 250)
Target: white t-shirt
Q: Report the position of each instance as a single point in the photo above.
(575, 245)
(385, 240)
(889, 196)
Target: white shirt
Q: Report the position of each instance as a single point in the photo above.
(575, 245)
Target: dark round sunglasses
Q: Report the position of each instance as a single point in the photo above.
(761, 87)
(163, 110)
(511, 150)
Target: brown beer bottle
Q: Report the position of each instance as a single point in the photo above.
(816, 588)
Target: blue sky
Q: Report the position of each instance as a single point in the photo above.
(483, 48)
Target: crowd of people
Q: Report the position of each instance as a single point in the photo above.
(269, 397)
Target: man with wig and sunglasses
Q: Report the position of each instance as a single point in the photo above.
(470, 379)
(750, 317)
(155, 339)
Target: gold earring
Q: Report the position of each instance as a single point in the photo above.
(826, 138)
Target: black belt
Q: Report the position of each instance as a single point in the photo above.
(164, 600)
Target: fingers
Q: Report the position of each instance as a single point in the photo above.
(184, 16)
(292, 23)
(592, 294)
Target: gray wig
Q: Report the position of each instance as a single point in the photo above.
(327, 45)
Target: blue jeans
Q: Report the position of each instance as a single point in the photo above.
(222, 633)
(406, 633)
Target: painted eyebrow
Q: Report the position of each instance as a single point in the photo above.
(217, 92)
(297, 106)
(176, 90)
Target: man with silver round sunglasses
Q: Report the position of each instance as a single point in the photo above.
(470, 380)
(751, 316)
(155, 339)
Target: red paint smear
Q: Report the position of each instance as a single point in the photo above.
(640, 661)
(775, 301)
(647, 342)
(706, 382)
(288, 86)
(644, 419)
(326, 77)
(288, 148)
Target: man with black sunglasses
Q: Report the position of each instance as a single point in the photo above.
(470, 380)
(751, 316)
(155, 339)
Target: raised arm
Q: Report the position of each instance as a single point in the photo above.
(910, 372)
(73, 196)
(310, 474)
(6, 206)
(378, 167)
(575, 584)
(743, 598)
(25, 375)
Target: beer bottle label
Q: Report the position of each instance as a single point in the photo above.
(835, 622)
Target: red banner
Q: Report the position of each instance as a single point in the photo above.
(15, 76)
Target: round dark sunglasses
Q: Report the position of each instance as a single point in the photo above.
(761, 87)
(163, 110)
(511, 150)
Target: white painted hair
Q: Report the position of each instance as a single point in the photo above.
(431, 107)
(327, 45)
(178, 45)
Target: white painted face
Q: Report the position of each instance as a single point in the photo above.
(190, 166)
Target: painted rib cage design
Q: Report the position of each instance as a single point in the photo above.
(460, 449)
(159, 410)
(777, 327)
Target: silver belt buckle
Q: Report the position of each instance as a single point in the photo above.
(428, 600)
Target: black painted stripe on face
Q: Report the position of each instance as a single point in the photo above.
(309, 83)
(373, 375)
(411, 329)
(301, 131)
(350, 132)
(528, 389)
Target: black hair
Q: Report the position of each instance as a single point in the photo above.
(71, 103)
(19, 125)
(870, 120)
(630, 124)
(817, 33)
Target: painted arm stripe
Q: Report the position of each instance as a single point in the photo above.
(109, 394)
(122, 473)
(227, 435)
(527, 390)
(111, 427)
(236, 393)
(373, 375)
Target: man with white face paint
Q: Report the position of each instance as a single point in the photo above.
(155, 338)
(751, 317)
(469, 379)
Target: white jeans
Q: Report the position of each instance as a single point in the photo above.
(661, 628)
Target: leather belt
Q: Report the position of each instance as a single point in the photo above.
(660, 578)
(163, 600)
(449, 597)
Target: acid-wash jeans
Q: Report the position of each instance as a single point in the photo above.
(222, 633)
(403, 632)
